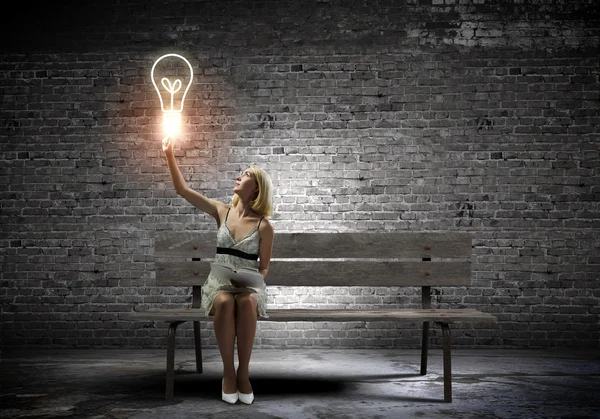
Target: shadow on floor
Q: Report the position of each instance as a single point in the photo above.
(192, 385)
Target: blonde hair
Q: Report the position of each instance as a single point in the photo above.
(263, 203)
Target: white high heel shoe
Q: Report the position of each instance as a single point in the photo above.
(246, 398)
(229, 398)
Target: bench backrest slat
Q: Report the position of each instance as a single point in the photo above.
(329, 245)
(327, 273)
(372, 245)
(185, 245)
(330, 259)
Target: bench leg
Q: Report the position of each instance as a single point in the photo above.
(198, 346)
(171, 360)
(424, 348)
(447, 363)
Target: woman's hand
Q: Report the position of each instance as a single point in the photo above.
(167, 145)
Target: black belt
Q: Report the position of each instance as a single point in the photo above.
(236, 252)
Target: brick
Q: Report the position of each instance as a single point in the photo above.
(357, 136)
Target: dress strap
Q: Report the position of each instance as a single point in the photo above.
(229, 209)
(262, 218)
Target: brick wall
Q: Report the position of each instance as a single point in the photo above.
(470, 115)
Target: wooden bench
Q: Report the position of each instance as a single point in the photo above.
(425, 260)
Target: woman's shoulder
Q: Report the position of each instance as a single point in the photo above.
(223, 211)
(265, 226)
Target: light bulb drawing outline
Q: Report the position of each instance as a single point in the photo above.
(172, 88)
(172, 116)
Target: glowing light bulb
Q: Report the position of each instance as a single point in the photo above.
(170, 93)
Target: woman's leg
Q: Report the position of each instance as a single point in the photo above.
(246, 316)
(224, 312)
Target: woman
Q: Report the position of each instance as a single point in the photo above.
(243, 236)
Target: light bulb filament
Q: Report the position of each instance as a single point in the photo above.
(171, 88)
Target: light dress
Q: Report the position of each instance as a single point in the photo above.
(245, 255)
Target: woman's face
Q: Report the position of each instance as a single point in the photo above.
(245, 185)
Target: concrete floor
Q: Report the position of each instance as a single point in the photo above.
(302, 383)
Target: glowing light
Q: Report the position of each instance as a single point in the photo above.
(170, 92)
(171, 123)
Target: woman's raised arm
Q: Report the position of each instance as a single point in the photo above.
(209, 206)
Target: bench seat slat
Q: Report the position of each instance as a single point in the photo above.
(332, 315)
(331, 273)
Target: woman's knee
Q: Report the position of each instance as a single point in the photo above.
(246, 301)
(224, 301)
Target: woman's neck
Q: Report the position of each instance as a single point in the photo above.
(243, 209)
